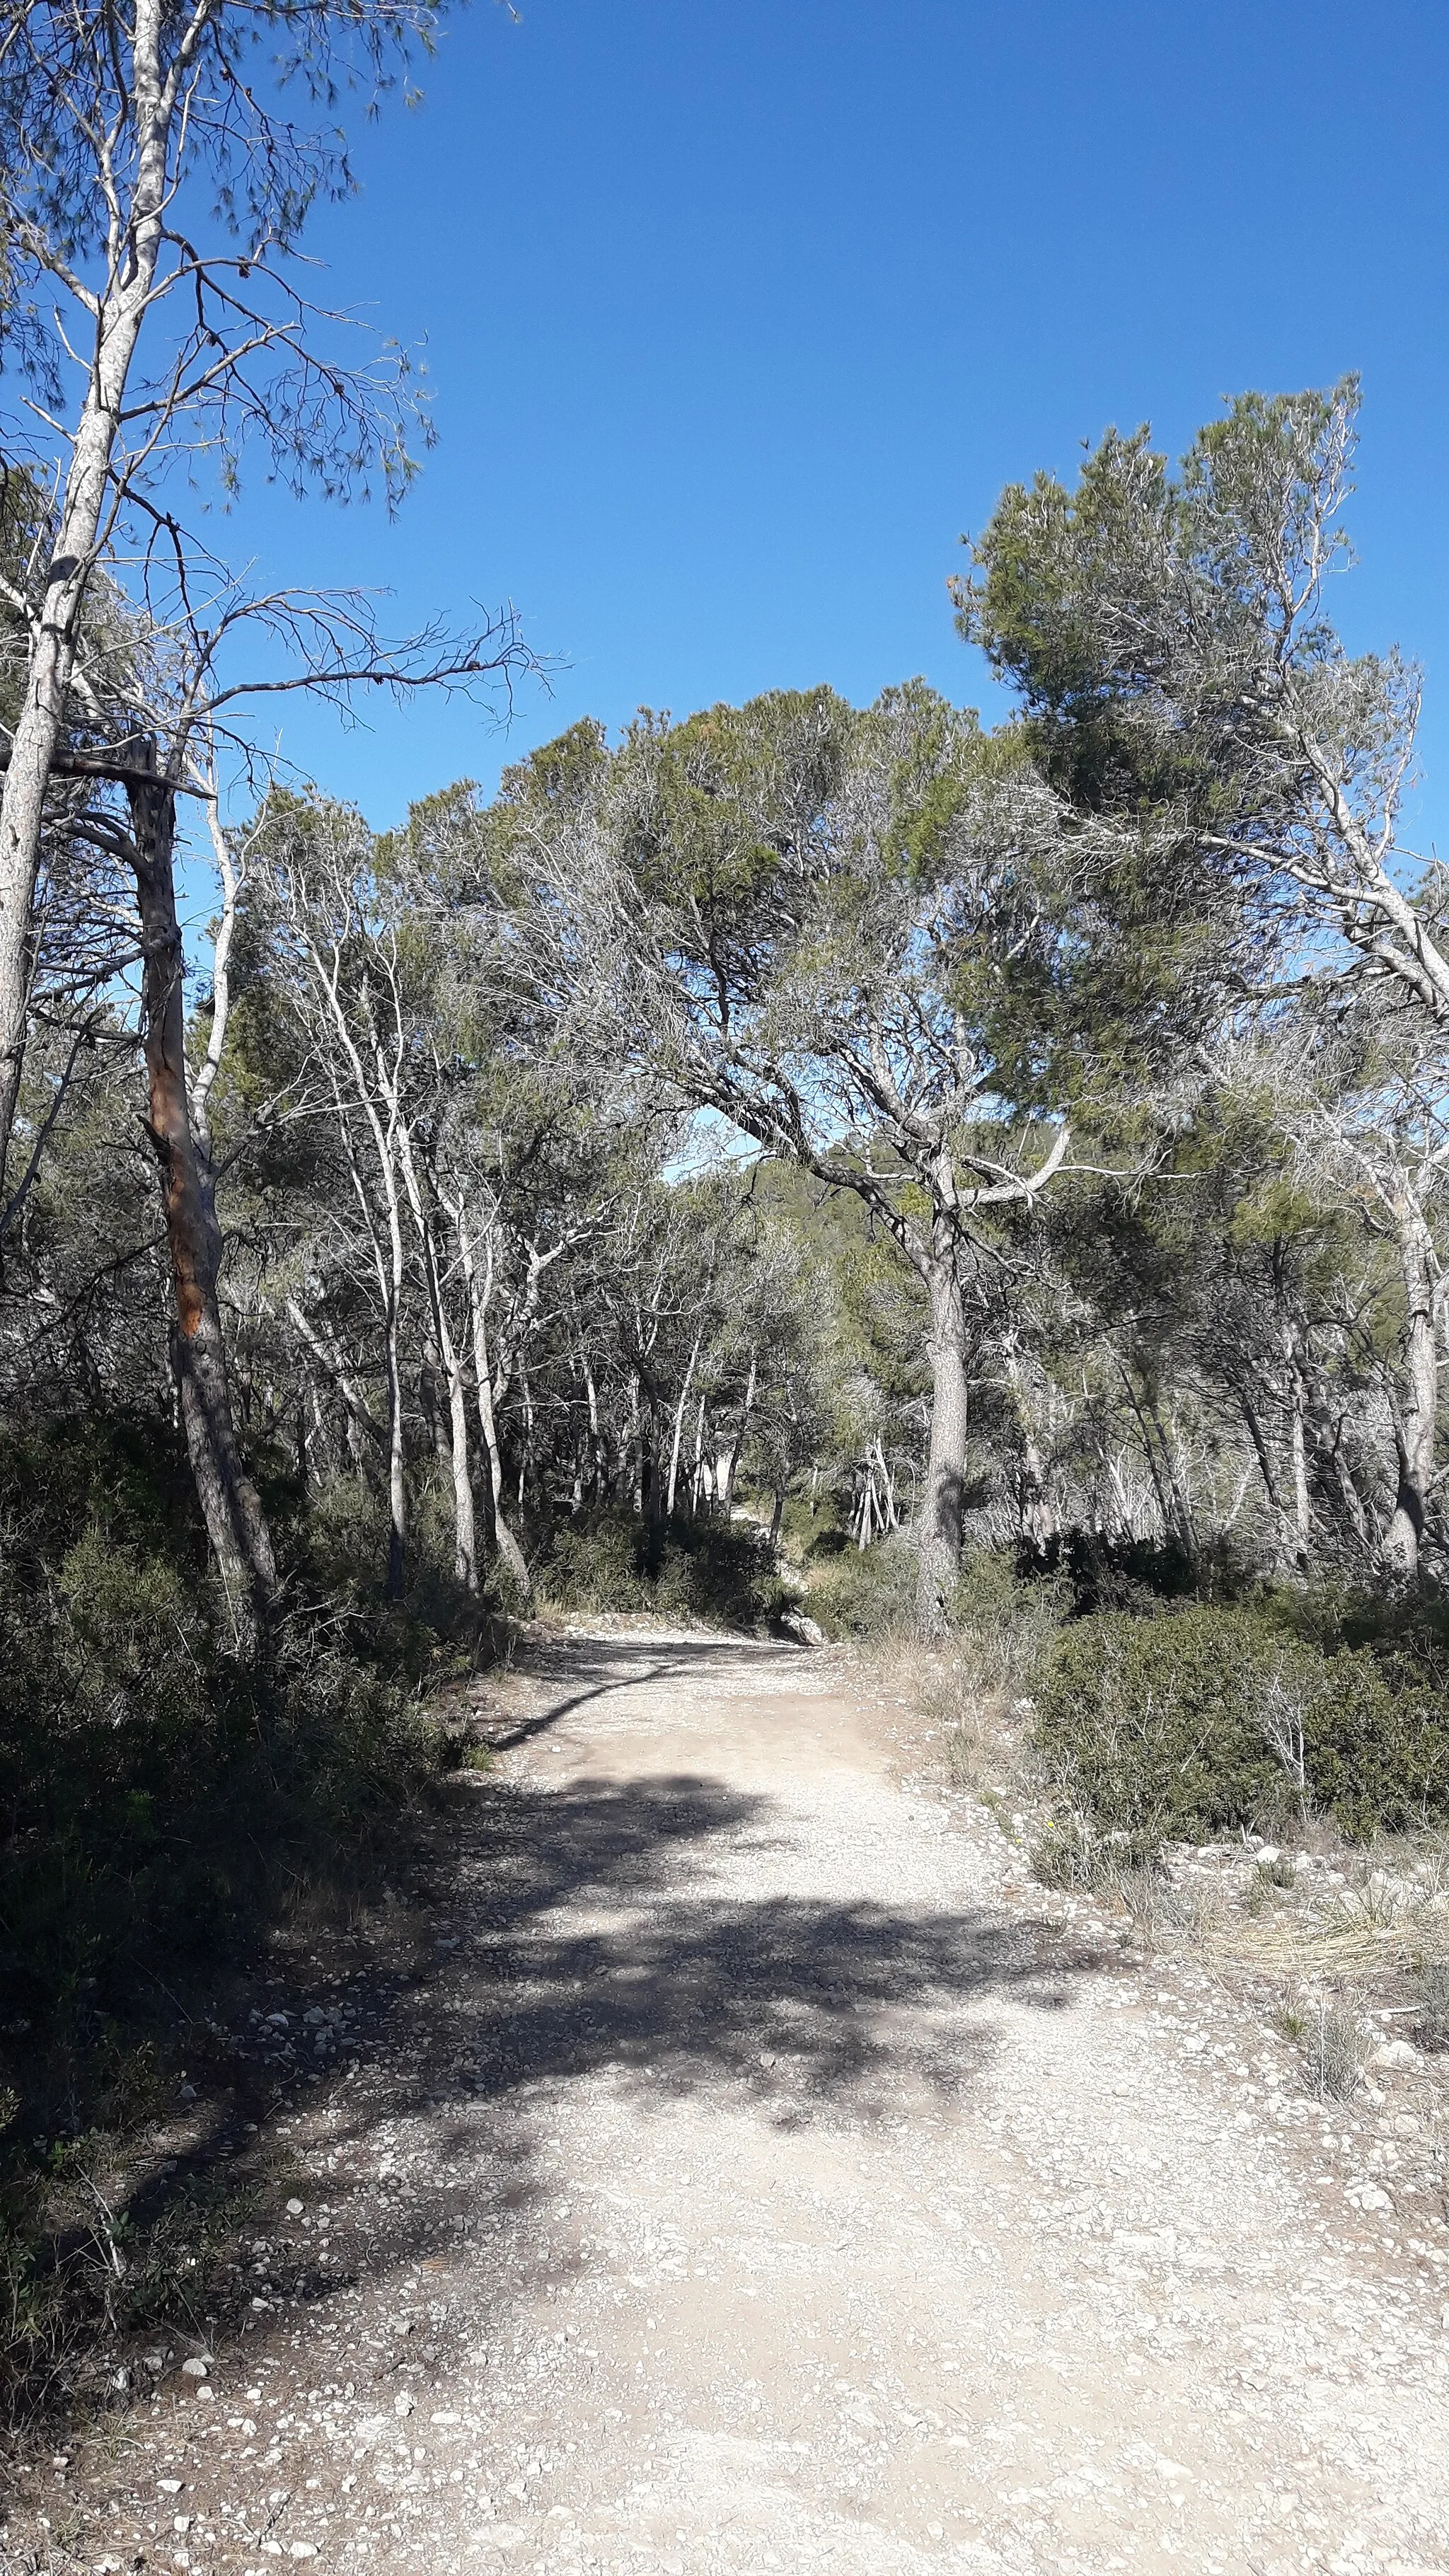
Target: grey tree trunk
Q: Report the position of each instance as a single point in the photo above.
(1416, 1414)
(231, 1508)
(39, 724)
(679, 1427)
(730, 1460)
(510, 1553)
(449, 1362)
(943, 1501)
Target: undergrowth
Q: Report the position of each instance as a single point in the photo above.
(163, 1808)
(723, 1573)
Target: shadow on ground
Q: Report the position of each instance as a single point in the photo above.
(591, 1943)
(792, 2001)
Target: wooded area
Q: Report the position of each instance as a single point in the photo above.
(1086, 1072)
(918, 1141)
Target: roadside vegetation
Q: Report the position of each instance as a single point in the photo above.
(978, 1192)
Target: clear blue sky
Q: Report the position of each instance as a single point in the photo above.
(737, 316)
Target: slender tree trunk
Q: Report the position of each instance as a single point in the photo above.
(42, 715)
(636, 1445)
(507, 1545)
(943, 1502)
(448, 1362)
(679, 1426)
(1416, 1414)
(230, 1505)
(890, 1517)
(1298, 1440)
(730, 1464)
(596, 1450)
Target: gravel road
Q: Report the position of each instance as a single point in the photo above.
(769, 2176)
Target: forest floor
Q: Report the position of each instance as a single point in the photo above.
(763, 2172)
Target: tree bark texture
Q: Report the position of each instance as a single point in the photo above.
(1416, 1413)
(230, 1505)
(944, 1498)
(510, 1553)
(41, 719)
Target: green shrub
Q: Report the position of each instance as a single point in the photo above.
(1003, 1622)
(599, 1565)
(1205, 1720)
(867, 1592)
(721, 1572)
(1147, 1725)
(1376, 1755)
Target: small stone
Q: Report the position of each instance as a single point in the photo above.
(1395, 2052)
(1367, 2195)
(294, 2209)
(193, 2368)
(304, 2549)
(402, 2404)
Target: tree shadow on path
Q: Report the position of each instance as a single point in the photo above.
(603, 1940)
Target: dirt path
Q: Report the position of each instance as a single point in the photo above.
(764, 2183)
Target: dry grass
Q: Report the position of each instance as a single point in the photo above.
(981, 1744)
(1383, 1926)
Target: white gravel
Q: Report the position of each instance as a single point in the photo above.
(768, 2178)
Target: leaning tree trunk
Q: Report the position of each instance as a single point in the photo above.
(1415, 1417)
(230, 1505)
(943, 1502)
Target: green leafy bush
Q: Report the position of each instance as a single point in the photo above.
(721, 1572)
(1003, 1622)
(1204, 1720)
(867, 1592)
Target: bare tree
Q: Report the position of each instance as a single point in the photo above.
(154, 185)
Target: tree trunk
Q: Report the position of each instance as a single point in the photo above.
(679, 1427)
(1415, 1417)
(1299, 1443)
(447, 1362)
(730, 1461)
(465, 1537)
(942, 1504)
(42, 714)
(507, 1545)
(636, 1446)
(230, 1505)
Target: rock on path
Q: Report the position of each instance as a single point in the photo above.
(764, 2182)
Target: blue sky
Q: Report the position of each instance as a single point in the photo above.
(737, 316)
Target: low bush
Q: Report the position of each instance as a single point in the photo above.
(1205, 1719)
(1003, 1622)
(866, 1593)
(721, 1572)
(162, 1807)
